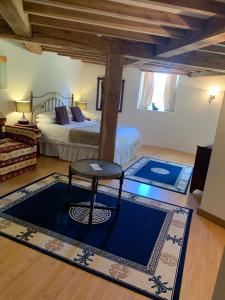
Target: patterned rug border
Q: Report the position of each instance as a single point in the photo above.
(179, 273)
(166, 161)
(55, 173)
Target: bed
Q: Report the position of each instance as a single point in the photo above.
(58, 140)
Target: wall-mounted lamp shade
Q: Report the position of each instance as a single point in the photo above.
(23, 106)
(213, 92)
(82, 105)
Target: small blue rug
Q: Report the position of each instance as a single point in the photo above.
(142, 248)
(160, 173)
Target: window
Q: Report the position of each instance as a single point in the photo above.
(157, 91)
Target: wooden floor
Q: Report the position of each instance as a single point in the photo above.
(29, 275)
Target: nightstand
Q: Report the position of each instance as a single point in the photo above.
(31, 125)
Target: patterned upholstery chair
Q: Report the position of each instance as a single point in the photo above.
(18, 151)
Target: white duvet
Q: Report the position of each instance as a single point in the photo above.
(54, 133)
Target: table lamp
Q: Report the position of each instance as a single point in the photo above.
(23, 107)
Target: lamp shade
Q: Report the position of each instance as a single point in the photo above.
(23, 106)
(82, 105)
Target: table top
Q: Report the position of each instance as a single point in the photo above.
(108, 169)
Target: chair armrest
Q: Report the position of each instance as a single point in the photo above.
(28, 136)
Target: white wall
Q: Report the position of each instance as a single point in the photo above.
(192, 123)
(28, 72)
(88, 87)
(213, 200)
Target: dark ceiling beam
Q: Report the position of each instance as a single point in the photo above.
(133, 50)
(97, 30)
(76, 53)
(94, 19)
(146, 15)
(103, 44)
(89, 61)
(206, 61)
(214, 49)
(72, 50)
(206, 7)
(214, 33)
(71, 39)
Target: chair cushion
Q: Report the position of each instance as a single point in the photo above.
(77, 114)
(62, 117)
(28, 136)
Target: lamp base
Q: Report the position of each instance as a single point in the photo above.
(23, 120)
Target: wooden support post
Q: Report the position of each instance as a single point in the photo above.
(112, 93)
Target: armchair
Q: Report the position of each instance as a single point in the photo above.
(18, 151)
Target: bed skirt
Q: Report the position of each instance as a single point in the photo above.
(71, 152)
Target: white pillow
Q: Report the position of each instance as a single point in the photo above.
(45, 121)
(50, 115)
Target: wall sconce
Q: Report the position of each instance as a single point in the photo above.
(82, 104)
(23, 107)
(213, 92)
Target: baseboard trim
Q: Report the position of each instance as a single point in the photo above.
(211, 217)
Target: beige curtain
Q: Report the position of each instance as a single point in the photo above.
(169, 94)
(147, 90)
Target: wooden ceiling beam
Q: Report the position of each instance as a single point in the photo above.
(97, 30)
(206, 7)
(206, 73)
(201, 60)
(213, 33)
(89, 61)
(214, 49)
(64, 38)
(106, 21)
(71, 53)
(169, 65)
(129, 12)
(164, 70)
(164, 65)
(78, 54)
(12, 12)
(33, 47)
(87, 58)
(82, 55)
(80, 40)
(72, 50)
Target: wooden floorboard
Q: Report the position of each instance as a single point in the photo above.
(27, 274)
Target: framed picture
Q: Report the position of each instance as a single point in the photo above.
(100, 94)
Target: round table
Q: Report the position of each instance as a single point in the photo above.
(108, 170)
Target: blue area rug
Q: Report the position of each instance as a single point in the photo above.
(142, 248)
(163, 174)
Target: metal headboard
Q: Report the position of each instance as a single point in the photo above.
(48, 102)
